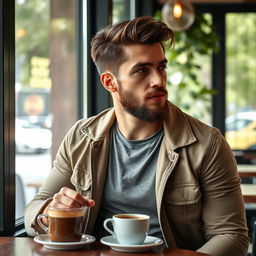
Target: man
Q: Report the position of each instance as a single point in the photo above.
(145, 155)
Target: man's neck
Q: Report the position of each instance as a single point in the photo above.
(133, 128)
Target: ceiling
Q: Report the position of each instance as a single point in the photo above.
(223, 1)
(214, 1)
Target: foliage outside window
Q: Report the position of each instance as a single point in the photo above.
(32, 37)
(241, 64)
(120, 10)
(240, 84)
(189, 65)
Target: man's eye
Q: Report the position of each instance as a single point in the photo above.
(141, 70)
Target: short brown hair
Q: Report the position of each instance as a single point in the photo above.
(106, 46)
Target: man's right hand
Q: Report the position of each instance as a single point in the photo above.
(68, 198)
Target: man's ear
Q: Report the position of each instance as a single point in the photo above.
(108, 80)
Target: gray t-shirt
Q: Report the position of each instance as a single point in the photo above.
(130, 180)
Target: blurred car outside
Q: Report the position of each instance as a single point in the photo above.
(31, 138)
(241, 130)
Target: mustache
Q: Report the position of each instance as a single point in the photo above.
(160, 90)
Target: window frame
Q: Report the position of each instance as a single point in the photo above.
(7, 117)
(98, 98)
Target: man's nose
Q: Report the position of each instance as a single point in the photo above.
(157, 79)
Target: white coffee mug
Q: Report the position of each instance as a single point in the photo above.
(129, 229)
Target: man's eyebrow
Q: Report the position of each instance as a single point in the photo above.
(164, 61)
(143, 64)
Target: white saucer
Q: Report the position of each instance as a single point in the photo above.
(44, 239)
(149, 243)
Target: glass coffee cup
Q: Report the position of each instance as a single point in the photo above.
(65, 224)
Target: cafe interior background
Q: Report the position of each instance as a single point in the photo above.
(48, 81)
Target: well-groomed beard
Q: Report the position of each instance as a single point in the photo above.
(131, 105)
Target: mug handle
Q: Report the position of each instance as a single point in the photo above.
(39, 217)
(105, 224)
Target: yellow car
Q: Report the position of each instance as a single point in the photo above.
(241, 131)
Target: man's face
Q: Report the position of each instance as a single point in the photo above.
(142, 82)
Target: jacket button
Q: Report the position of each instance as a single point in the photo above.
(172, 155)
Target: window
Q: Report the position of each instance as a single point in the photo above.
(120, 10)
(240, 80)
(234, 123)
(233, 76)
(46, 88)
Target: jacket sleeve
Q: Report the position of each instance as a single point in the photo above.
(59, 177)
(223, 207)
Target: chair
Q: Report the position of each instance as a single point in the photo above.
(254, 240)
(249, 193)
(20, 201)
(249, 196)
(252, 245)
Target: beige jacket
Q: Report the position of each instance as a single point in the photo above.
(199, 201)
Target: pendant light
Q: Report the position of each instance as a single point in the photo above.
(178, 14)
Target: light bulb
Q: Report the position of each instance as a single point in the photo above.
(178, 14)
(177, 11)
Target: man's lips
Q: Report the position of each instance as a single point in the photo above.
(156, 95)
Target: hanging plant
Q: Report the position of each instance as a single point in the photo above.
(187, 83)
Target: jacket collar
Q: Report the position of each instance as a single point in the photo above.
(97, 127)
(177, 130)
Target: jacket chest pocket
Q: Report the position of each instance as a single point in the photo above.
(183, 203)
(82, 180)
